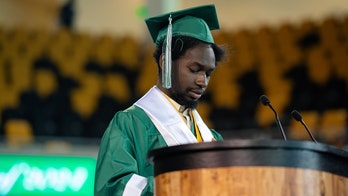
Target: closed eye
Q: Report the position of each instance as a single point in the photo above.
(194, 70)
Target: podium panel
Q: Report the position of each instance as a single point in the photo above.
(247, 167)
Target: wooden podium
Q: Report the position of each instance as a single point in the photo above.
(250, 167)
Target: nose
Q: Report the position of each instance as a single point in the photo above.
(202, 80)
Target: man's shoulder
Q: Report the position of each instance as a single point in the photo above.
(133, 111)
(134, 116)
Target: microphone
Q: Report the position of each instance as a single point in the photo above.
(297, 116)
(265, 101)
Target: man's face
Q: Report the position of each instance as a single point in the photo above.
(191, 74)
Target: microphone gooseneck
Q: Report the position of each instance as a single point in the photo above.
(265, 101)
(297, 116)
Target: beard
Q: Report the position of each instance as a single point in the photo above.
(181, 99)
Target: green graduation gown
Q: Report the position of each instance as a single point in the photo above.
(123, 153)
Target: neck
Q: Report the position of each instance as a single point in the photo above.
(164, 90)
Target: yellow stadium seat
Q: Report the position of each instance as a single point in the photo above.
(21, 73)
(329, 33)
(71, 66)
(225, 95)
(103, 49)
(286, 41)
(117, 86)
(83, 103)
(130, 53)
(18, 132)
(243, 52)
(340, 61)
(333, 125)
(306, 26)
(45, 82)
(92, 82)
(204, 109)
(345, 27)
(147, 76)
(9, 97)
(38, 42)
(62, 37)
(264, 116)
(285, 34)
(319, 68)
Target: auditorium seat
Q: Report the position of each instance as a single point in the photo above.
(83, 41)
(270, 73)
(17, 45)
(127, 53)
(38, 42)
(17, 36)
(18, 133)
(83, 103)
(264, 37)
(225, 95)
(45, 82)
(285, 39)
(61, 37)
(285, 34)
(21, 73)
(148, 73)
(329, 33)
(333, 125)
(116, 85)
(92, 82)
(223, 86)
(344, 27)
(339, 56)
(71, 66)
(242, 51)
(9, 97)
(319, 68)
(264, 116)
(306, 26)
(102, 50)
(204, 109)
(2, 36)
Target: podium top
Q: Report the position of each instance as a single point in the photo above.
(296, 154)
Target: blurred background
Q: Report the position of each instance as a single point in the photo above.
(66, 67)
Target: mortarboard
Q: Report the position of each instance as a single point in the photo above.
(196, 22)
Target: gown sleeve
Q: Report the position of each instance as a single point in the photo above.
(121, 165)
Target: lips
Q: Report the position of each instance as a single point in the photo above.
(196, 94)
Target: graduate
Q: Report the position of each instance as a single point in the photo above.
(166, 115)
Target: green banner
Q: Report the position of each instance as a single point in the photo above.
(46, 175)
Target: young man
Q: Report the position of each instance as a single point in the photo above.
(166, 115)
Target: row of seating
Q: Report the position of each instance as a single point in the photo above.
(67, 83)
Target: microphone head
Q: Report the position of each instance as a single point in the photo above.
(264, 100)
(297, 116)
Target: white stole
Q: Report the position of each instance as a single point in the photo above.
(169, 122)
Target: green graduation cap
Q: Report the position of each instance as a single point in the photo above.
(196, 22)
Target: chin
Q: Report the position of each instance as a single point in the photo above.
(186, 101)
(191, 104)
